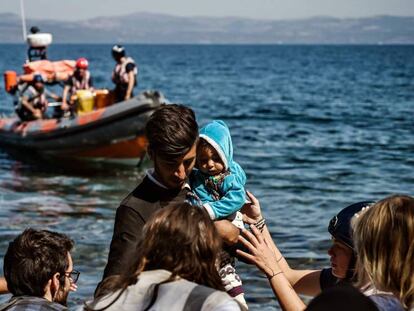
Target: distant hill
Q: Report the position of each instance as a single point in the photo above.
(159, 28)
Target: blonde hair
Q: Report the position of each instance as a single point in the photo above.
(383, 236)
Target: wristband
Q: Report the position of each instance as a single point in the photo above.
(274, 274)
(260, 224)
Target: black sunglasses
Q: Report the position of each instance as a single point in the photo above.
(74, 275)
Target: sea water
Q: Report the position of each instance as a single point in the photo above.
(315, 128)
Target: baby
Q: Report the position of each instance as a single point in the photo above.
(219, 183)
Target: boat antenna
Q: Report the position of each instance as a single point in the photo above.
(23, 20)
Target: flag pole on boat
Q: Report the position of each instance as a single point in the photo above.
(23, 20)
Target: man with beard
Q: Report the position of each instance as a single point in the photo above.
(39, 271)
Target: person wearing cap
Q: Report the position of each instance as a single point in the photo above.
(31, 102)
(81, 79)
(36, 52)
(286, 282)
(124, 74)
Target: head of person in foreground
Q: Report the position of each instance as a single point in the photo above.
(38, 264)
(180, 239)
(383, 236)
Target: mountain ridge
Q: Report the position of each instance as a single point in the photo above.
(156, 28)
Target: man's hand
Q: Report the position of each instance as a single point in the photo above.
(37, 113)
(227, 231)
(64, 106)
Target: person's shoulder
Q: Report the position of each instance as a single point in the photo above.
(29, 303)
(327, 279)
(130, 66)
(220, 301)
(143, 192)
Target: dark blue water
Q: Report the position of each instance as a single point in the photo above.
(315, 127)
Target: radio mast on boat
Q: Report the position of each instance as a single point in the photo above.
(23, 20)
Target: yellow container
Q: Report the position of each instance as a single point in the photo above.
(86, 101)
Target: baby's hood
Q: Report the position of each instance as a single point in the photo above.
(217, 134)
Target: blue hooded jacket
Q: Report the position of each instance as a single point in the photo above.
(231, 188)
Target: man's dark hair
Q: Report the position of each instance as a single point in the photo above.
(33, 258)
(171, 131)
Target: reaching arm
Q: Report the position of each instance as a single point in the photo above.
(305, 282)
(263, 256)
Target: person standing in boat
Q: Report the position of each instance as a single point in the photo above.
(81, 79)
(36, 52)
(124, 74)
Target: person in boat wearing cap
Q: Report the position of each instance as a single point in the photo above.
(81, 79)
(31, 102)
(124, 74)
(286, 282)
(36, 52)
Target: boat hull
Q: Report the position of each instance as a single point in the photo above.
(114, 133)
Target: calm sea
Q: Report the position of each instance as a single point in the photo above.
(315, 127)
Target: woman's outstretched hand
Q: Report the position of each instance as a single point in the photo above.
(260, 253)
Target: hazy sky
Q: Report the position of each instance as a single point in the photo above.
(261, 9)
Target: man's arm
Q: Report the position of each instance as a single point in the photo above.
(52, 95)
(65, 105)
(127, 233)
(228, 232)
(36, 112)
(131, 83)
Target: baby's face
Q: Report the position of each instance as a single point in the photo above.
(209, 161)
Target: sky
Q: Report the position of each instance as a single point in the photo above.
(257, 9)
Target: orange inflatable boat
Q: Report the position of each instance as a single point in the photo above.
(114, 133)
